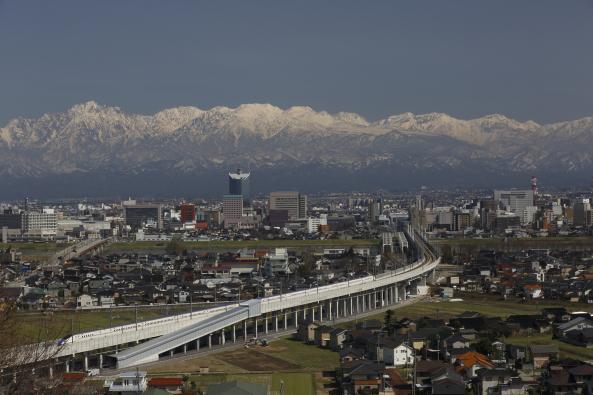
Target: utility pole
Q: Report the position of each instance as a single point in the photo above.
(414, 371)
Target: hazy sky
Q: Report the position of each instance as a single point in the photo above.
(527, 59)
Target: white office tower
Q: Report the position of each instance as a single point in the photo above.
(313, 223)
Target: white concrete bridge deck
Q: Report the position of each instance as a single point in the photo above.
(150, 350)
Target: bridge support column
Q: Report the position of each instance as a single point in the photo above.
(245, 330)
(67, 366)
(330, 316)
(266, 322)
(222, 337)
(285, 321)
(171, 353)
(256, 328)
(296, 319)
(51, 372)
(210, 340)
(313, 313)
(357, 304)
(351, 307)
(185, 348)
(396, 293)
(383, 304)
(86, 362)
(234, 333)
(276, 322)
(344, 310)
(320, 313)
(100, 361)
(198, 344)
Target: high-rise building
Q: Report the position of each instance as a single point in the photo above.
(138, 216)
(293, 202)
(42, 225)
(232, 207)
(11, 223)
(581, 213)
(515, 201)
(488, 209)
(239, 185)
(187, 213)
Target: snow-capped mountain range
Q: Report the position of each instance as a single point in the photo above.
(297, 143)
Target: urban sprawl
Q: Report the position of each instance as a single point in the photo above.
(506, 311)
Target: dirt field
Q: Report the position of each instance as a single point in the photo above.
(255, 361)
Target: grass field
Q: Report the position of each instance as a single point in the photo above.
(204, 245)
(28, 247)
(294, 383)
(35, 252)
(489, 305)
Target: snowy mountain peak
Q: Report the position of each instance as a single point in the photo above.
(93, 137)
(90, 107)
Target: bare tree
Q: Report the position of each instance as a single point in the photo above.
(26, 354)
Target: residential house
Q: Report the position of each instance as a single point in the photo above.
(542, 354)
(397, 353)
(488, 379)
(84, 301)
(128, 383)
(170, 384)
(306, 331)
(580, 337)
(470, 362)
(361, 375)
(323, 335)
(575, 324)
(337, 338)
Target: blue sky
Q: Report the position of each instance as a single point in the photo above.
(526, 59)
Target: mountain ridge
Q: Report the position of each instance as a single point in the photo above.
(90, 138)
